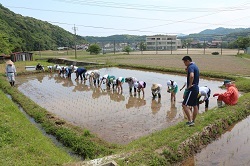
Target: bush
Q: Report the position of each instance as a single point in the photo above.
(215, 53)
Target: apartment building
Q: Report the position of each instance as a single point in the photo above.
(163, 42)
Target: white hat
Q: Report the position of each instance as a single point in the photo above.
(169, 83)
(136, 84)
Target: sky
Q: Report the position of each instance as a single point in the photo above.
(135, 17)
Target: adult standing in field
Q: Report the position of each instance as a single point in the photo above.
(10, 72)
(192, 89)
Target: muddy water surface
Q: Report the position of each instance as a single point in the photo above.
(114, 117)
(231, 149)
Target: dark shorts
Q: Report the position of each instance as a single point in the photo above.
(190, 98)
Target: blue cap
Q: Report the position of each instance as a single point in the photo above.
(227, 82)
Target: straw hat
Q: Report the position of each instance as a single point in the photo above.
(154, 86)
(9, 62)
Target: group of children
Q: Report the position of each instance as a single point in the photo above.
(134, 84)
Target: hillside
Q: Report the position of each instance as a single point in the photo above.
(19, 33)
(116, 38)
(223, 31)
(227, 34)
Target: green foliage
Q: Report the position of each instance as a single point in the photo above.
(215, 53)
(142, 46)
(127, 49)
(94, 49)
(116, 38)
(29, 34)
(243, 42)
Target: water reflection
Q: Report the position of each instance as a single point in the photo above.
(105, 111)
(156, 105)
(171, 114)
(135, 101)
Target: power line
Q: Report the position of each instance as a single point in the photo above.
(186, 19)
(149, 7)
(117, 16)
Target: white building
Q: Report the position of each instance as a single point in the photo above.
(163, 42)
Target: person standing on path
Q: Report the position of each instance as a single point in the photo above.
(192, 89)
(10, 72)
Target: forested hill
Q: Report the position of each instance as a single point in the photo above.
(227, 34)
(19, 33)
(116, 38)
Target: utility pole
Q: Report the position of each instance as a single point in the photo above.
(204, 47)
(114, 46)
(156, 46)
(75, 28)
(171, 46)
(221, 46)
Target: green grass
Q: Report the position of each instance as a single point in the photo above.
(79, 140)
(160, 148)
(21, 143)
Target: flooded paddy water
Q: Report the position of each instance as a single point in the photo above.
(232, 148)
(114, 117)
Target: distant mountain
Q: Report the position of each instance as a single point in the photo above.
(225, 34)
(223, 31)
(19, 33)
(116, 38)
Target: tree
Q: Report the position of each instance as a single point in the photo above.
(94, 49)
(142, 46)
(5, 47)
(127, 49)
(243, 42)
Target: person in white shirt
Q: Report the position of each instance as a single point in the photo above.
(156, 90)
(131, 81)
(10, 72)
(119, 82)
(173, 89)
(204, 92)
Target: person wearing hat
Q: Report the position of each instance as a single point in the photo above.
(95, 75)
(10, 72)
(119, 82)
(131, 81)
(109, 80)
(173, 89)
(156, 90)
(230, 97)
(140, 85)
(205, 92)
(80, 71)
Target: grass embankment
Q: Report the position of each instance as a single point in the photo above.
(81, 141)
(178, 142)
(21, 143)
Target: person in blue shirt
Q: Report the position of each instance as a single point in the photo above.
(80, 71)
(190, 98)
